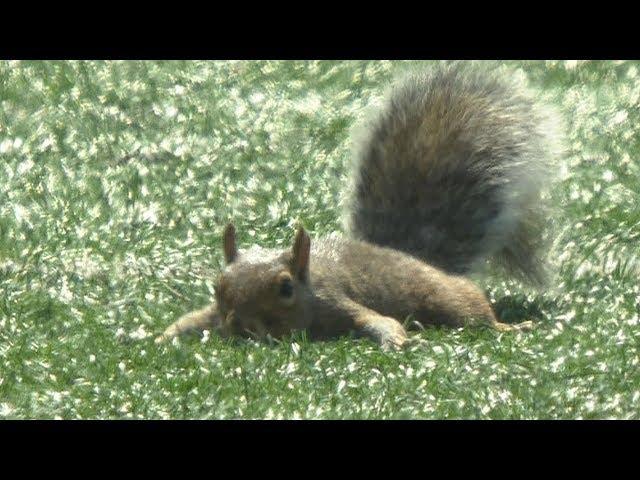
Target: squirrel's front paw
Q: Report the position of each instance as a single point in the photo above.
(168, 334)
(160, 339)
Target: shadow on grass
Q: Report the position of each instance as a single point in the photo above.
(519, 308)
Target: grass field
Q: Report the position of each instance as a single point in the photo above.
(116, 179)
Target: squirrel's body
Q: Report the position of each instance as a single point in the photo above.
(388, 282)
(351, 285)
(447, 172)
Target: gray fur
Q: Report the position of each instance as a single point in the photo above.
(451, 167)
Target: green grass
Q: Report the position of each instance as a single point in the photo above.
(116, 179)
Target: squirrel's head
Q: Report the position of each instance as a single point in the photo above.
(263, 292)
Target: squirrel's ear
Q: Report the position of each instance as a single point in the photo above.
(229, 243)
(301, 250)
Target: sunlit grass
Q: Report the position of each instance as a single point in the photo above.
(116, 179)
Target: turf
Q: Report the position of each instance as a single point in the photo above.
(116, 179)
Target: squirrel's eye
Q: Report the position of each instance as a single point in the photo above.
(286, 288)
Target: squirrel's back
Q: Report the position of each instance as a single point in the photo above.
(450, 170)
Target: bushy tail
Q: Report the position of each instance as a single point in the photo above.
(451, 167)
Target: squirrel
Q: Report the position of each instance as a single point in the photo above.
(447, 174)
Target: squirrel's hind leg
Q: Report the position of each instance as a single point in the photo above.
(506, 327)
